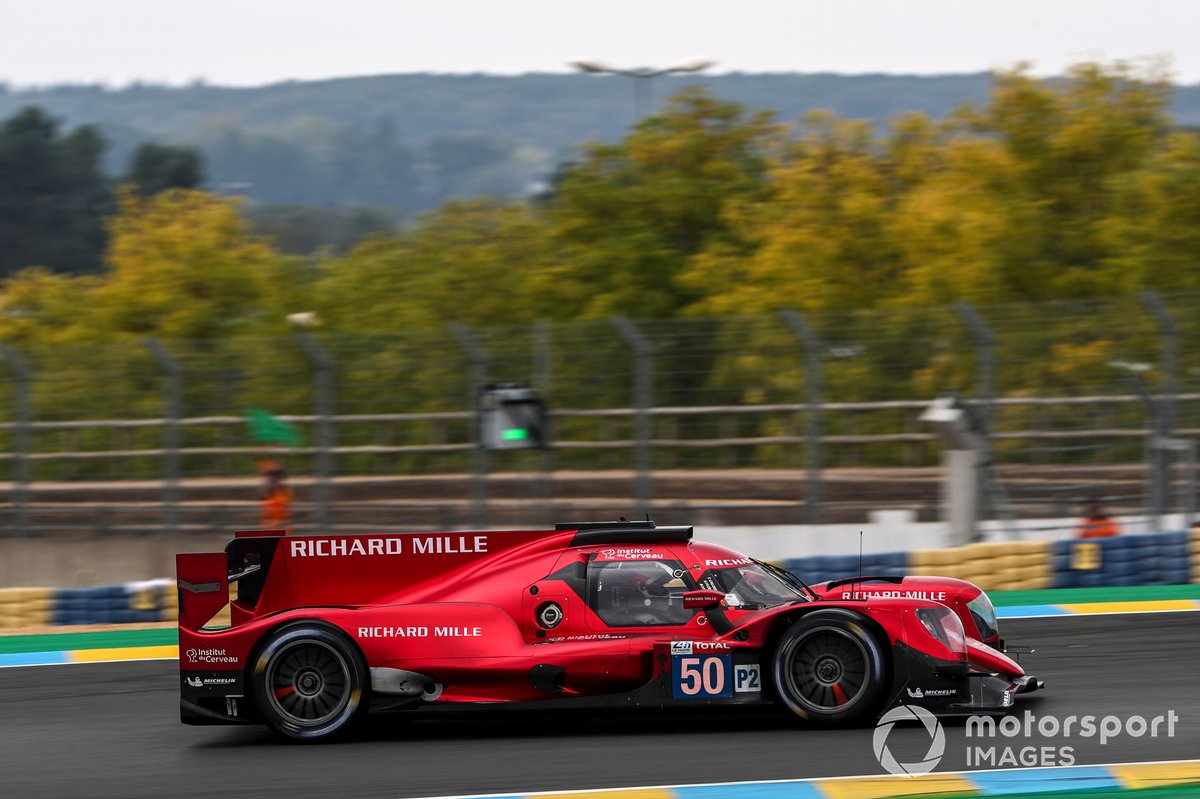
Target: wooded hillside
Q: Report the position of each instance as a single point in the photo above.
(410, 142)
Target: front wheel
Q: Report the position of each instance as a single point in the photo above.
(829, 669)
(309, 682)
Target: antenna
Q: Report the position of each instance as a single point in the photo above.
(860, 545)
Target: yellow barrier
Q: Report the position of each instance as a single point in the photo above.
(992, 565)
(26, 607)
(1194, 552)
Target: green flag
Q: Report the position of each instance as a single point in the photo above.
(266, 428)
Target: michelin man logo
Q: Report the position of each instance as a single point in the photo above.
(937, 743)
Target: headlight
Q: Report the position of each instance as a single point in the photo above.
(943, 625)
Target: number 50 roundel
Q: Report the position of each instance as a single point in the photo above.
(701, 676)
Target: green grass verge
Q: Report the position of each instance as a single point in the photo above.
(66, 641)
(1060, 596)
(1186, 791)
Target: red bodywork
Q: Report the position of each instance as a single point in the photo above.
(468, 615)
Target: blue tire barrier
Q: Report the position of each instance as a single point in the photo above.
(1156, 559)
(113, 604)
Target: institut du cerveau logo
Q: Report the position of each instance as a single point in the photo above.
(937, 741)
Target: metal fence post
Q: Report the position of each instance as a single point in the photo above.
(543, 372)
(478, 359)
(985, 362)
(1170, 357)
(22, 417)
(1188, 489)
(643, 399)
(1155, 454)
(985, 397)
(1160, 465)
(323, 379)
(814, 349)
(172, 401)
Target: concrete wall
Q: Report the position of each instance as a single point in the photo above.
(86, 562)
(781, 542)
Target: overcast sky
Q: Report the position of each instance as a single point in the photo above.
(249, 42)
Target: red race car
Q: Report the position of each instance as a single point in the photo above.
(326, 628)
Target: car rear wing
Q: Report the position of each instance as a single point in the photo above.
(203, 581)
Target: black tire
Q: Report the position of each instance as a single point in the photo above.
(309, 682)
(829, 669)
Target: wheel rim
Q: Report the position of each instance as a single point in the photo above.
(308, 683)
(827, 670)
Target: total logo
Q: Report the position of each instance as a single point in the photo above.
(209, 656)
(693, 647)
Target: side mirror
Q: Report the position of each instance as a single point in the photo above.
(702, 600)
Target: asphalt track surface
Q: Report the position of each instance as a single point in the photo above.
(102, 730)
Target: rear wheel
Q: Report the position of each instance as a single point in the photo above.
(309, 682)
(829, 669)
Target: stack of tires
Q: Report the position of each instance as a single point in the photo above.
(106, 604)
(1159, 559)
(26, 607)
(168, 603)
(820, 568)
(160, 596)
(993, 566)
(1194, 551)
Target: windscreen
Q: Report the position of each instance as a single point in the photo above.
(984, 616)
(749, 587)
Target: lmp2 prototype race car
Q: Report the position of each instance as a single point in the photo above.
(326, 628)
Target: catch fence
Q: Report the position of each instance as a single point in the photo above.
(799, 418)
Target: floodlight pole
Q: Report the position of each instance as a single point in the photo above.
(642, 90)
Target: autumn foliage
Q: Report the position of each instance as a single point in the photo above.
(1054, 190)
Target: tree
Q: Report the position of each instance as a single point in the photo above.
(1153, 233)
(1016, 200)
(629, 216)
(182, 264)
(476, 262)
(53, 195)
(1069, 145)
(310, 230)
(821, 236)
(158, 167)
(40, 307)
